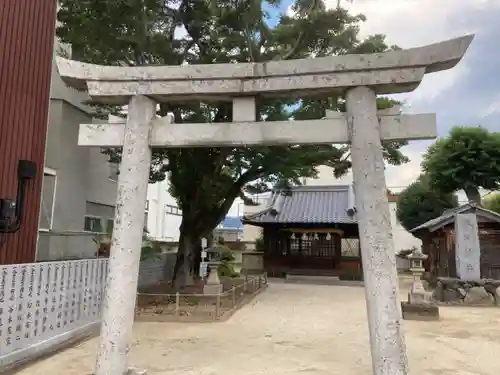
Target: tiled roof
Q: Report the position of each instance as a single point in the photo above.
(232, 222)
(448, 217)
(307, 204)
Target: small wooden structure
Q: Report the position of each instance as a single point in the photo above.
(310, 230)
(438, 241)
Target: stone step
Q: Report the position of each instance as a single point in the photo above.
(320, 280)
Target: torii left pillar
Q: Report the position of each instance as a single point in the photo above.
(121, 285)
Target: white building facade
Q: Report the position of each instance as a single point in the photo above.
(163, 215)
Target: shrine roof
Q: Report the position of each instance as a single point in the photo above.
(448, 217)
(307, 205)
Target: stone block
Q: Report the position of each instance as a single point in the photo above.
(423, 312)
(467, 292)
(135, 371)
(478, 296)
(467, 249)
(212, 289)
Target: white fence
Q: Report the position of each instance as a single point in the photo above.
(44, 305)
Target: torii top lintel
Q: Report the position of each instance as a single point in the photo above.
(387, 72)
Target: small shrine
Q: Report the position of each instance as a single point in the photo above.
(310, 230)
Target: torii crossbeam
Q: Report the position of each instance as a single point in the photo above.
(359, 78)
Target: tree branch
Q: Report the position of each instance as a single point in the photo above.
(211, 221)
(302, 34)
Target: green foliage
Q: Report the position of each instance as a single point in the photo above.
(206, 181)
(492, 202)
(226, 267)
(468, 159)
(226, 254)
(419, 203)
(259, 242)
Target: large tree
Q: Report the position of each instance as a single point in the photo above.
(468, 159)
(419, 203)
(206, 181)
(492, 202)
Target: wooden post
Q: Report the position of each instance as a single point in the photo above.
(217, 305)
(177, 303)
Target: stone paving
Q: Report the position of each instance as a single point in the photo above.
(299, 329)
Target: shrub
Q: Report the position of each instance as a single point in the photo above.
(259, 242)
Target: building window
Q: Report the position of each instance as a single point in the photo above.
(351, 247)
(114, 171)
(172, 210)
(110, 226)
(93, 224)
(146, 215)
(49, 184)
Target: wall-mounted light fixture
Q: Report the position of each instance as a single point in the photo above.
(11, 210)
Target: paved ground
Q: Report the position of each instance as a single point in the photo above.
(300, 329)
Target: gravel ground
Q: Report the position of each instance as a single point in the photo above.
(292, 329)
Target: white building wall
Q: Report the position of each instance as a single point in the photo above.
(403, 239)
(163, 214)
(251, 232)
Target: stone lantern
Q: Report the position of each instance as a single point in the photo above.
(417, 294)
(417, 263)
(419, 305)
(213, 285)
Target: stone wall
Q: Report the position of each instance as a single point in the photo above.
(156, 269)
(456, 291)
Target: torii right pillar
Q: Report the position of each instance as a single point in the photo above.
(375, 234)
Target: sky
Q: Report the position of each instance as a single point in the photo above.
(468, 94)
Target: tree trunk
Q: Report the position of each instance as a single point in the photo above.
(188, 257)
(473, 195)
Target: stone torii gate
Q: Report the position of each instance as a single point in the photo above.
(359, 78)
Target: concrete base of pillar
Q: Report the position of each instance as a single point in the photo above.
(134, 371)
(422, 312)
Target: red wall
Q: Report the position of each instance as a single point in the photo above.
(26, 43)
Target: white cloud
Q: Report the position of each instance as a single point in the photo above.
(413, 23)
(398, 177)
(491, 108)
